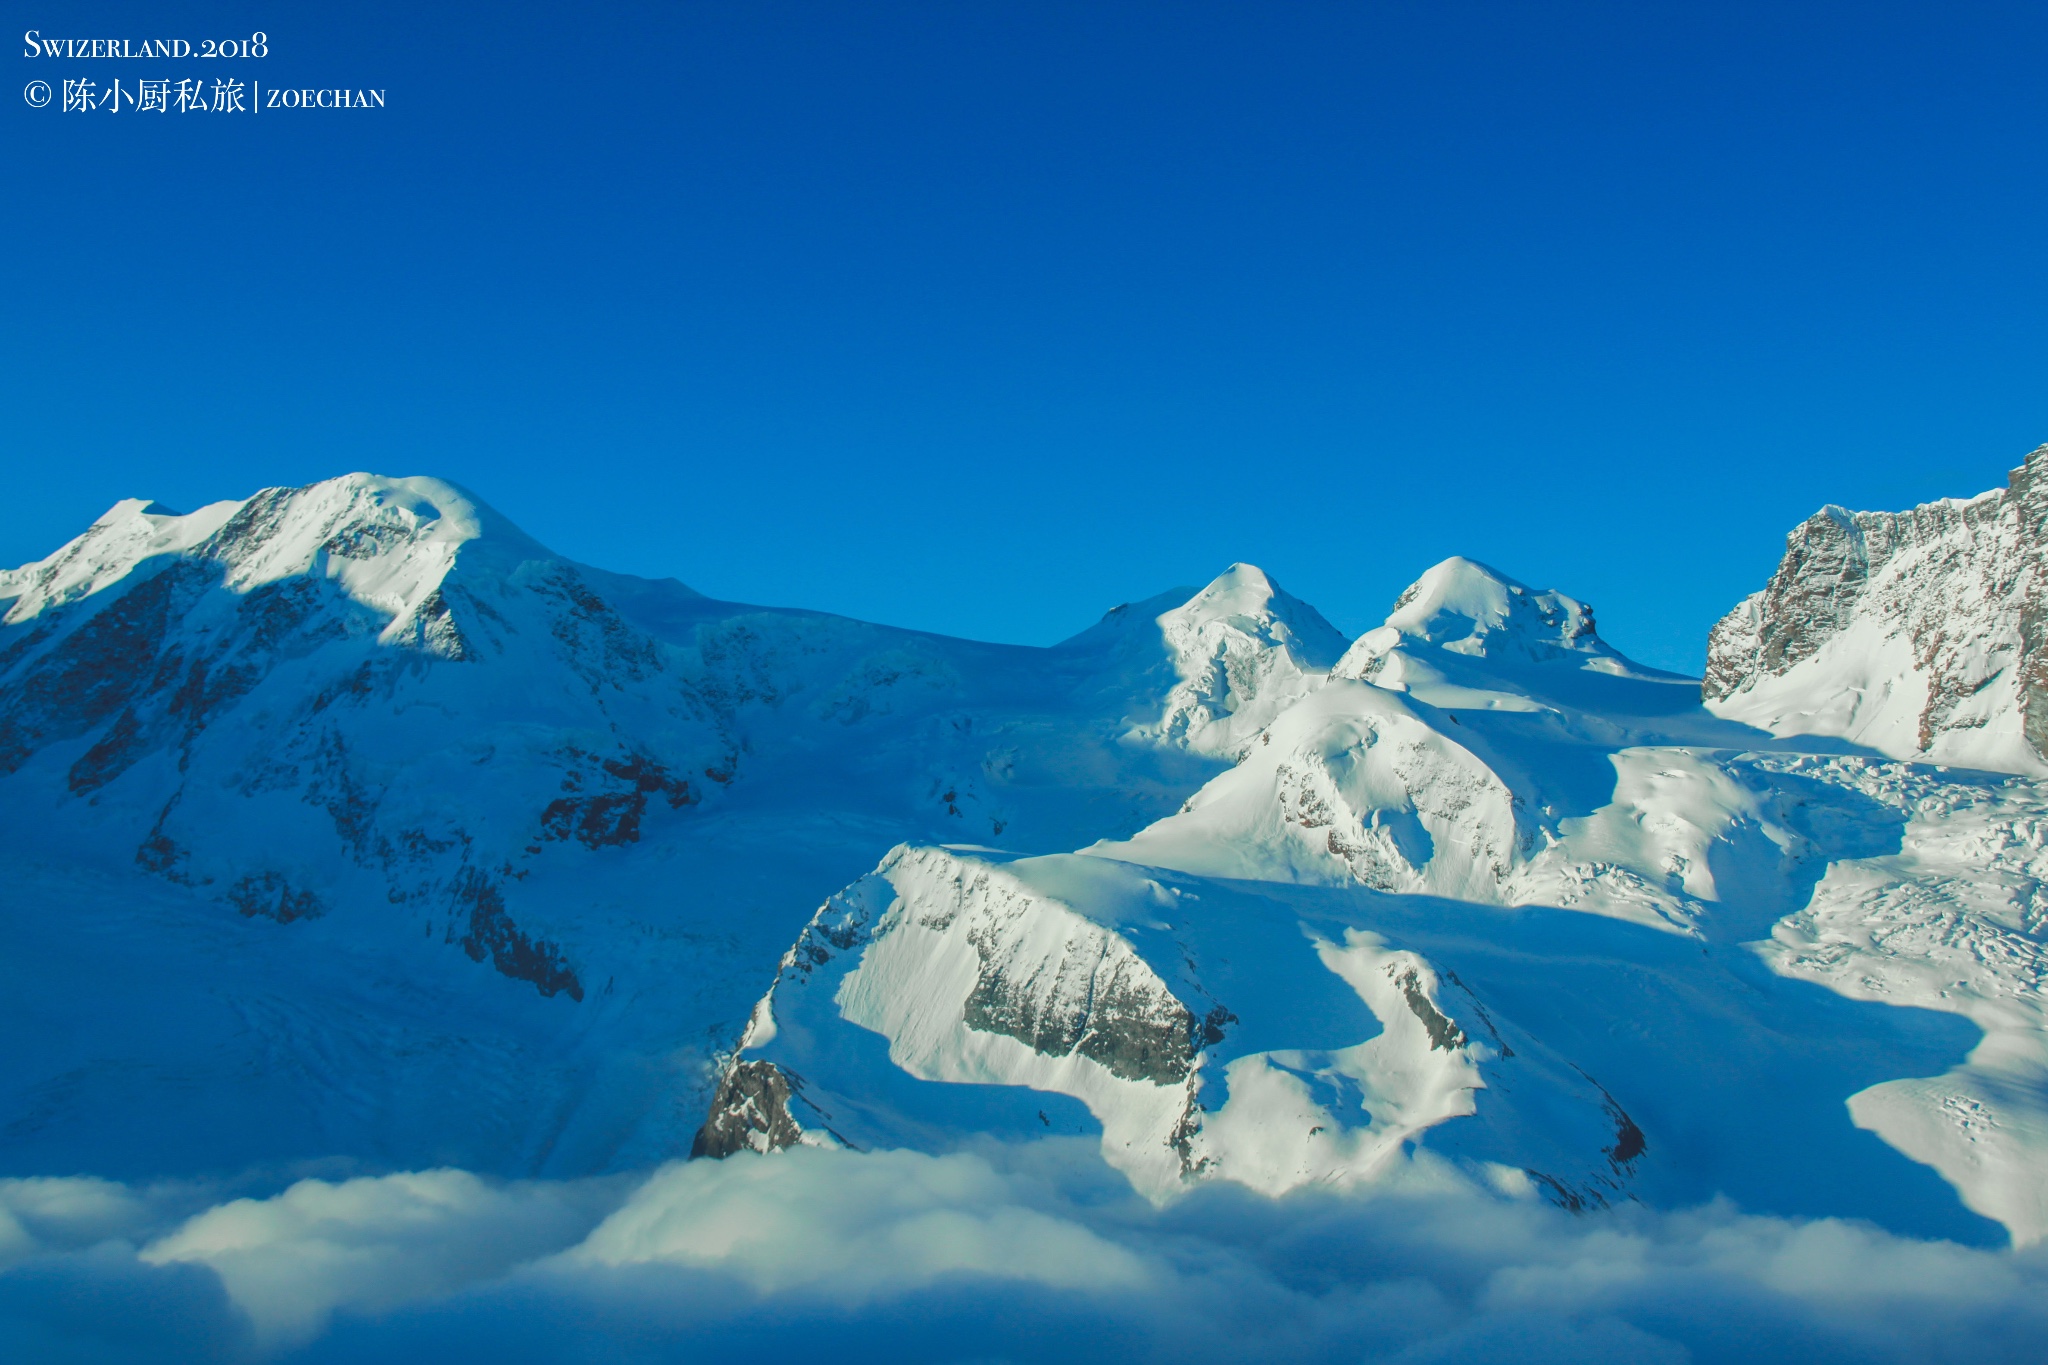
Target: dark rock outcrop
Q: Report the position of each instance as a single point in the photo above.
(491, 933)
(750, 1113)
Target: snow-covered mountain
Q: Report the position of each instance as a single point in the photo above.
(1411, 924)
(1921, 634)
(372, 720)
(350, 823)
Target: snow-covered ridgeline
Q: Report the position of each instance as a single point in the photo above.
(1484, 744)
(370, 707)
(386, 543)
(1081, 978)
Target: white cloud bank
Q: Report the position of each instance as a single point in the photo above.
(853, 1226)
(1021, 1253)
(374, 1243)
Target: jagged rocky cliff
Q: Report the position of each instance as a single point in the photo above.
(1919, 634)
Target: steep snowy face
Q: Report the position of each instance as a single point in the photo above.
(1205, 1035)
(1243, 651)
(1919, 634)
(164, 620)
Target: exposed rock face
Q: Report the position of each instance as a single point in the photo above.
(1094, 1001)
(1921, 633)
(1444, 1036)
(491, 933)
(750, 1113)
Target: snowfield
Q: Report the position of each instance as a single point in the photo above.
(367, 861)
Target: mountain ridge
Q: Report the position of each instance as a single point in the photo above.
(1340, 908)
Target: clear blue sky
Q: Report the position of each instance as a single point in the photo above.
(982, 318)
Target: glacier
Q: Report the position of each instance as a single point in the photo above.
(351, 831)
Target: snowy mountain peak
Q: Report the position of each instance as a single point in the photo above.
(1244, 649)
(1471, 626)
(387, 543)
(1247, 599)
(1920, 633)
(1469, 608)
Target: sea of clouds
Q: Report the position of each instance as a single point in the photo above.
(1033, 1252)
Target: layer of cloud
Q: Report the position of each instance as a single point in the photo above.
(373, 1243)
(854, 1226)
(1021, 1253)
(48, 1214)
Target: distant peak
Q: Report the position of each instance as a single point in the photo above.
(1464, 601)
(1246, 597)
(1240, 590)
(127, 509)
(1465, 607)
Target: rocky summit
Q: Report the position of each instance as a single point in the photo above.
(1921, 634)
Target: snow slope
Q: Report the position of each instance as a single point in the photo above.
(377, 722)
(1199, 1028)
(349, 828)
(1952, 919)
(1410, 926)
(1484, 744)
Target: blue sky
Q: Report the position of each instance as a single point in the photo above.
(983, 318)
